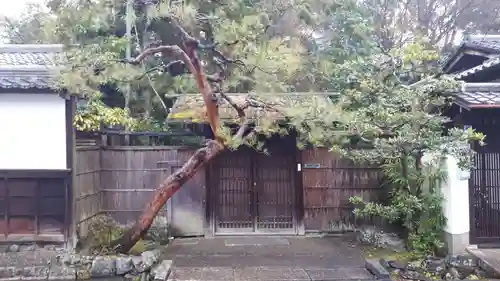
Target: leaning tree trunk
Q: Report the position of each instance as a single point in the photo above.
(203, 155)
(174, 182)
(169, 186)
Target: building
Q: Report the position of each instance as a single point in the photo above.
(289, 192)
(36, 147)
(477, 63)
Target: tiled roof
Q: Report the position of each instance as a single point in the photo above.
(483, 95)
(27, 66)
(490, 63)
(25, 58)
(490, 45)
(24, 81)
(479, 99)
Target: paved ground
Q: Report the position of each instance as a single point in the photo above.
(266, 259)
(489, 260)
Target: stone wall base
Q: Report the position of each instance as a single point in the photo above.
(457, 243)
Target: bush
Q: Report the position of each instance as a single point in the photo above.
(415, 205)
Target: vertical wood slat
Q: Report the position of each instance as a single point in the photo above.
(87, 187)
(233, 207)
(24, 197)
(255, 192)
(7, 206)
(129, 177)
(37, 208)
(120, 180)
(328, 183)
(484, 194)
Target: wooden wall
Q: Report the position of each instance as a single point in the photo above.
(120, 180)
(328, 183)
(87, 186)
(33, 206)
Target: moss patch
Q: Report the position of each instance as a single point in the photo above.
(139, 247)
(103, 231)
(388, 254)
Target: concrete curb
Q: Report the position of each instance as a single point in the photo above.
(483, 263)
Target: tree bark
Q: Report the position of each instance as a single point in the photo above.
(203, 155)
(168, 188)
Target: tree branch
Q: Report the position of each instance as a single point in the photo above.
(188, 55)
(193, 64)
(241, 112)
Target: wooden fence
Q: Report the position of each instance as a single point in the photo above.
(87, 186)
(119, 180)
(328, 182)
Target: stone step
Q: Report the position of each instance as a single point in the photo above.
(37, 273)
(267, 274)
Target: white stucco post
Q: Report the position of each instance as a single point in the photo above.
(456, 206)
(455, 191)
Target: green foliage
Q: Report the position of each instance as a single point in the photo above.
(376, 112)
(94, 114)
(383, 119)
(102, 231)
(418, 209)
(286, 47)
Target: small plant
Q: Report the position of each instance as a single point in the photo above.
(414, 204)
(102, 230)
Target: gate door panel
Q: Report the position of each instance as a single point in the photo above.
(254, 193)
(275, 193)
(484, 194)
(233, 192)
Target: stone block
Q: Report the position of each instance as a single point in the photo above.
(124, 265)
(103, 266)
(162, 270)
(14, 248)
(150, 258)
(62, 273)
(35, 272)
(374, 266)
(7, 272)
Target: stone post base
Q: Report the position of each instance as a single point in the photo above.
(457, 243)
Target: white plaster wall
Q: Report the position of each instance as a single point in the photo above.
(456, 198)
(32, 131)
(455, 190)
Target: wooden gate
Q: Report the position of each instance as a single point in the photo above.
(484, 194)
(254, 193)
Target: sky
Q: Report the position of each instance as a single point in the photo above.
(13, 10)
(16, 7)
